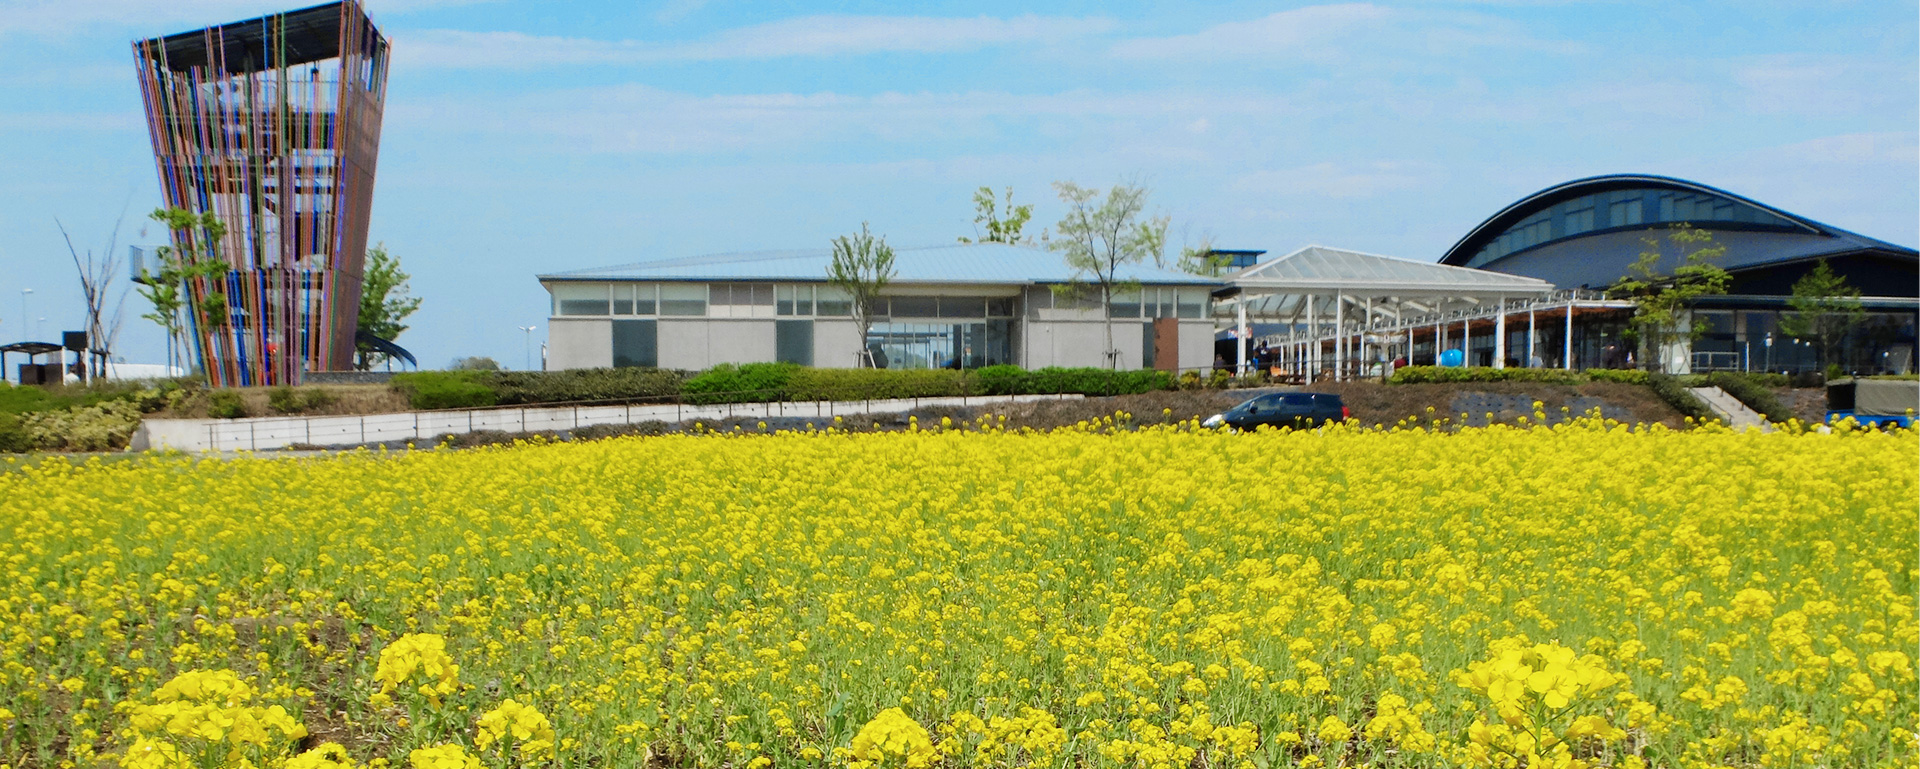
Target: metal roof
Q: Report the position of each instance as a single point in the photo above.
(299, 36)
(959, 263)
(1600, 257)
(1322, 269)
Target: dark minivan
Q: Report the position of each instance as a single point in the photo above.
(1283, 410)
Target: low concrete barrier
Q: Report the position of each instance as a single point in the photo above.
(266, 433)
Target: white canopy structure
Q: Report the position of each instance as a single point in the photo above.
(1340, 312)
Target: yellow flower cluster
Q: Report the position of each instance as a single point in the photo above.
(1585, 594)
(891, 739)
(207, 717)
(526, 728)
(1540, 694)
(420, 656)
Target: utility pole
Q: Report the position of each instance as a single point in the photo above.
(25, 319)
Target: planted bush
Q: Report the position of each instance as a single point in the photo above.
(445, 389)
(1676, 395)
(100, 427)
(226, 404)
(575, 385)
(814, 384)
(286, 400)
(997, 380)
(744, 383)
(1441, 374)
(1750, 391)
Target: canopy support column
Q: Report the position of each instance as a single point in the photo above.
(1339, 337)
(1530, 334)
(1500, 336)
(1244, 332)
(1568, 352)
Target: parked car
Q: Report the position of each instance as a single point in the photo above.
(1873, 402)
(1282, 410)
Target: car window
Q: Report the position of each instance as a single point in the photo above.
(1267, 401)
(1300, 400)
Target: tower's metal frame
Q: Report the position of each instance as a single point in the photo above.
(273, 126)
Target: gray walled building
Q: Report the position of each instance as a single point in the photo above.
(969, 305)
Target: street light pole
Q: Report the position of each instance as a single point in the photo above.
(528, 363)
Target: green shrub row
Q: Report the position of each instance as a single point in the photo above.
(1749, 389)
(1437, 374)
(96, 416)
(758, 382)
(472, 388)
(1671, 390)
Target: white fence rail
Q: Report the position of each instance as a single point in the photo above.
(266, 433)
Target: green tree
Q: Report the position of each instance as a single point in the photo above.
(193, 263)
(1100, 237)
(1663, 303)
(862, 265)
(1201, 260)
(383, 303)
(1824, 310)
(987, 215)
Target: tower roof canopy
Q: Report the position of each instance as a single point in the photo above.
(306, 35)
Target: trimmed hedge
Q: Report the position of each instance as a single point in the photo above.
(1750, 391)
(587, 384)
(833, 384)
(1096, 381)
(1676, 395)
(745, 383)
(445, 389)
(1436, 374)
(760, 382)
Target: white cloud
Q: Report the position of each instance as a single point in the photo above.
(1350, 31)
(645, 120)
(1338, 180)
(826, 35)
(1863, 182)
(1823, 85)
(1285, 33)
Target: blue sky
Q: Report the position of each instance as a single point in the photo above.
(532, 137)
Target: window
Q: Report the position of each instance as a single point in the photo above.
(963, 307)
(1000, 308)
(940, 345)
(1578, 218)
(793, 341)
(832, 301)
(646, 296)
(1193, 302)
(1625, 210)
(580, 299)
(793, 300)
(683, 299)
(915, 307)
(622, 299)
(1124, 304)
(636, 343)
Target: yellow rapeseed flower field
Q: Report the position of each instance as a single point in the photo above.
(1589, 594)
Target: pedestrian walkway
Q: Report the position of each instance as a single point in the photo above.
(267, 433)
(1730, 409)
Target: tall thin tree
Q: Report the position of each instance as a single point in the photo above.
(862, 266)
(1100, 238)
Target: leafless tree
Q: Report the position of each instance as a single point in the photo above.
(98, 273)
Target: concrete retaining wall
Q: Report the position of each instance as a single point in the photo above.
(266, 433)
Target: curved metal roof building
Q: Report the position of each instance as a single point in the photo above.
(1585, 232)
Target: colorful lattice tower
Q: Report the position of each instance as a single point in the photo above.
(273, 126)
